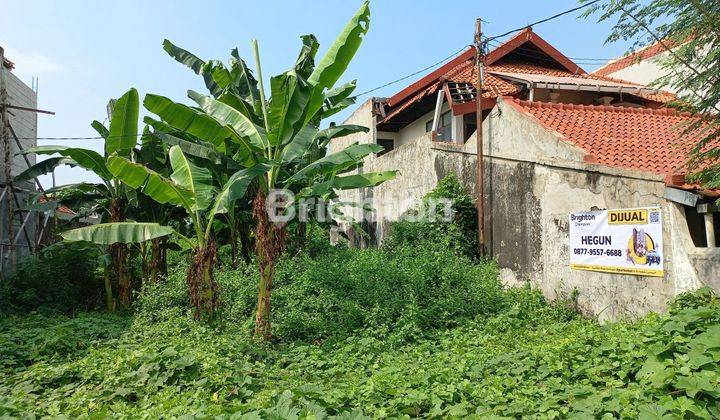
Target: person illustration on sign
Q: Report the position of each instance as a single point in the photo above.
(641, 249)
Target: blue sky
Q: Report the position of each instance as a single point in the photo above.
(85, 52)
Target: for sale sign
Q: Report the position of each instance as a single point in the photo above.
(625, 241)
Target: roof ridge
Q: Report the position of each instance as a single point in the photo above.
(606, 108)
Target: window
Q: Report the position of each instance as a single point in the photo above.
(388, 144)
(444, 130)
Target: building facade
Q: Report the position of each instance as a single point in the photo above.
(556, 140)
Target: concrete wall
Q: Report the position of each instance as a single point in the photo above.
(534, 179)
(643, 72)
(24, 124)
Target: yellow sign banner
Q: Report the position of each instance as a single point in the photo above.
(628, 217)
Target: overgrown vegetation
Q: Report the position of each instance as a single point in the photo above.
(517, 357)
(62, 277)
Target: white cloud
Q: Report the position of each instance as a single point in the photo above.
(32, 63)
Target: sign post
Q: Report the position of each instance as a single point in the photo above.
(625, 241)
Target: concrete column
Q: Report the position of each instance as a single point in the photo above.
(710, 230)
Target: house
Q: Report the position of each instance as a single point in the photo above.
(557, 140)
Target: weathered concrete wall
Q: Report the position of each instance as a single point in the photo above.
(534, 179)
(24, 124)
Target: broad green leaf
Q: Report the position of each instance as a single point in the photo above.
(337, 99)
(196, 64)
(235, 187)
(150, 182)
(88, 159)
(365, 180)
(337, 162)
(43, 167)
(305, 63)
(192, 121)
(338, 56)
(203, 150)
(244, 83)
(196, 180)
(184, 57)
(100, 128)
(123, 133)
(299, 145)
(335, 131)
(225, 115)
(290, 95)
(123, 232)
(82, 187)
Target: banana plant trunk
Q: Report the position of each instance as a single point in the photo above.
(158, 260)
(269, 243)
(245, 241)
(201, 283)
(119, 256)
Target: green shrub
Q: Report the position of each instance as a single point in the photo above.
(409, 291)
(460, 235)
(64, 277)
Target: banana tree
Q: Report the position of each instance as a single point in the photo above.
(280, 135)
(190, 187)
(109, 197)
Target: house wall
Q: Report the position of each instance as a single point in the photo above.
(24, 124)
(534, 179)
(644, 72)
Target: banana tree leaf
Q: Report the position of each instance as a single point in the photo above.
(244, 83)
(305, 62)
(337, 162)
(334, 131)
(338, 56)
(200, 149)
(226, 115)
(123, 232)
(337, 99)
(184, 118)
(43, 167)
(123, 133)
(290, 95)
(235, 188)
(299, 145)
(152, 151)
(100, 128)
(86, 158)
(197, 180)
(150, 182)
(220, 75)
(82, 187)
(348, 182)
(196, 65)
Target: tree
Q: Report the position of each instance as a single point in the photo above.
(690, 31)
(110, 197)
(275, 142)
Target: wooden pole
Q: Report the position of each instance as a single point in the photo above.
(7, 159)
(479, 178)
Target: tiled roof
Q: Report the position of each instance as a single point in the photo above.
(61, 208)
(633, 58)
(462, 70)
(643, 139)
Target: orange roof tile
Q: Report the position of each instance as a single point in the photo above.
(633, 58)
(650, 140)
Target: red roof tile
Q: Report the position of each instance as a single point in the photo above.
(632, 58)
(462, 70)
(643, 139)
